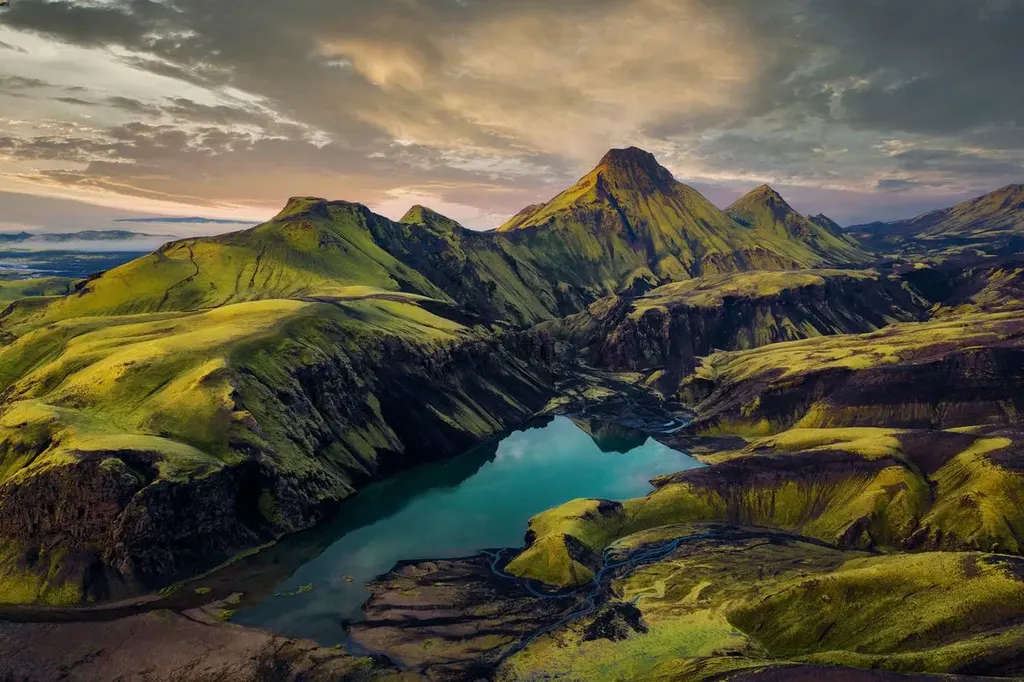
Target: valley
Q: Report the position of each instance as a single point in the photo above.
(626, 435)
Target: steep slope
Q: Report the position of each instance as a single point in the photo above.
(671, 326)
(312, 248)
(992, 224)
(138, 450)
(827, 223)
(488, 275)
(629, 225)
(767, 213)
(318, 249)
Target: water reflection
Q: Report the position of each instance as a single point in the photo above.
(454, 508)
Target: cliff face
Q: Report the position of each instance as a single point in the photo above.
(669, 327)
(290, 422)
(953, 372)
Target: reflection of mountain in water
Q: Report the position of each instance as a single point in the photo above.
(610, 436)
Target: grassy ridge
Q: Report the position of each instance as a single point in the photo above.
(629, 221)
(271, 409)
(759, 600)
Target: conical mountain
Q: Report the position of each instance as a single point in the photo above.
(764, 211)
(629, 223)
(421, 215)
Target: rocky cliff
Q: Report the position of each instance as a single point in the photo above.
(668, 328)
(145, 452)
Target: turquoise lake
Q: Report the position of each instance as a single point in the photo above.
(455, 508)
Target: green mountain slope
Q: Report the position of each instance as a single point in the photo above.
(141, 449)
(767, 213)
(628, 223)
(992, 224)
(626, 227)
(313, 248)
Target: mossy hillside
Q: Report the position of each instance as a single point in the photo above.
(629, 216)
(986, 226)
(486, 273)
(14, 289)
(311, 249)
(272, 409)
(732, 599)
(858, 510)
(948, 372)
(672, 325)
(317, 249)
(40, 583)
(766, 212)
(154, 374)
(863, 488)
(981, 289)
(931, 612)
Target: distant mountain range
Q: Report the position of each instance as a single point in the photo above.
(992, 224)
(86, 235)
(624, 228)
(188, 220)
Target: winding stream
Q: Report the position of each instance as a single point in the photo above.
(462, 506)
(592, 590)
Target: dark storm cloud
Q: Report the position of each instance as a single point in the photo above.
(461, 99)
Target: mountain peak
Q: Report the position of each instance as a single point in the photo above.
(633, 165)
(762, 196)
(766, 192)
(422, 215)
(419, 214)
(824, 221)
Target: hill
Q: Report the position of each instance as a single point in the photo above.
(629, 224)
(767, 213)
(626, 227)
(989, 225)
(666, 329)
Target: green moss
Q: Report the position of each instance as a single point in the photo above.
(15, 289)
(889, 605)
(40, 583)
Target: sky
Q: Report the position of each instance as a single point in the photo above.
(866, 110)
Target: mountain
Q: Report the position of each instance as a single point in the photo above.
(824, 221)
(624, 228)
(629, 224)
(766, 212)
(85, 235)
(316, 248)
(992, 224)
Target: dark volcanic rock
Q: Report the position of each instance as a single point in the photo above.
(615, 622)
(451, 619)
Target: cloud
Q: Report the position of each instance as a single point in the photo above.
(481, 104)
